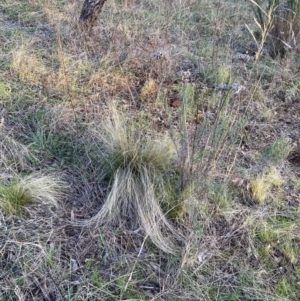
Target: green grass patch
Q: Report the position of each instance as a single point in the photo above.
(277, 152)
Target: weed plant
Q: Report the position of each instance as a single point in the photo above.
(19, 193)
(204, 142)
(262, 184)
(279, 25)
(137, 169)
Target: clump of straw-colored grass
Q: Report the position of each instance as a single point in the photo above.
(21, 192)
(138, 170)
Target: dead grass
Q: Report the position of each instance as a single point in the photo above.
(14, 155)
(219, 187)
(137, 170)
(19, 193)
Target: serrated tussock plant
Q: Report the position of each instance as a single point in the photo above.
(20, 192)
(261, 185)
(137, 169)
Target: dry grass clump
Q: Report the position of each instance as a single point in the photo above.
(18, 193)
(137, 168)
(27, 66)
(262, 184)
(13, 154)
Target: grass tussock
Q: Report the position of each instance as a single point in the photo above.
(137, 169)
(261, 185)
(19, 193)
